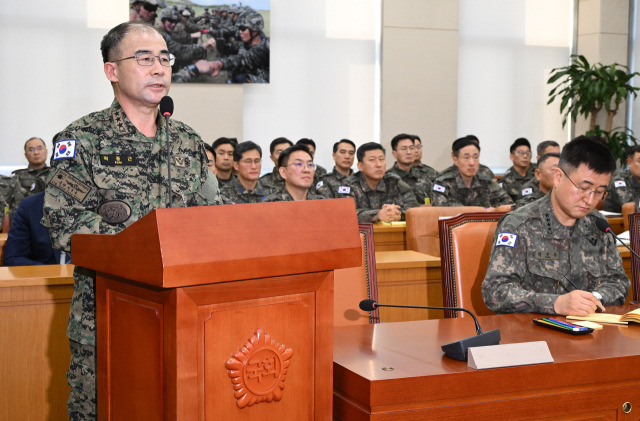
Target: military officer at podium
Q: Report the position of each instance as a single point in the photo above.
(109, 169)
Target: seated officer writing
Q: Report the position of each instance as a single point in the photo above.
(549, 256)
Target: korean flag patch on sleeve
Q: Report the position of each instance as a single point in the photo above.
(344, 189)
(527, 191)
(439, 188)
(506, 239)
(64, 149)
(320, 184)
(619, 183)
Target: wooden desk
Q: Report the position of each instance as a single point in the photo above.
(34, 350)
(592, 377)
(389, 237)
(3, 241)
(617, 226)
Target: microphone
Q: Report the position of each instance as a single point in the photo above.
(166, 110)
(458, 349)
(604, 226)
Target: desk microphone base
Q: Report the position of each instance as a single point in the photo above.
(458, 350)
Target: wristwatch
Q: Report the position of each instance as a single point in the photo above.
(597, 295)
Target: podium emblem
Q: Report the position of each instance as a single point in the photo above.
(258, 370)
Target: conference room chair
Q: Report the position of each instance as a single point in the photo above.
(627, 209)
(353, 285)
(465, 247)
(6, 223)
(422, 230)
(634, 236)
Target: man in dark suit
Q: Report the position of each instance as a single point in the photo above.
(28, 242)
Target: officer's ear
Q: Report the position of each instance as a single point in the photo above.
(557, 176)
(282, 171)
(111, 71)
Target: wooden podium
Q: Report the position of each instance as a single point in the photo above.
(221, 312)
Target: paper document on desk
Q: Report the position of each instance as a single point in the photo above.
(608, 214)
(625, 238)
(600, 318)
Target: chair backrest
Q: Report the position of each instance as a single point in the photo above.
(627, 209)
(422, 226)
(465, 247)
(634, 237)
(352, 285)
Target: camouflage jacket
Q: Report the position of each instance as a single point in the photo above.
(105, 175)
(26, 182)
(623, 188)
(512, 181)
(253, 61)
(426, 172)
(185, 53)
(186, 74)
(5, 185)
(533, 254)
(222, 182)
(420, 185)
(530, 192)
(330, 185)
(4, 208)
(234, 192)
(390, 190)
(284, 196)
(450, 190)
(483, 170)
(273, 180)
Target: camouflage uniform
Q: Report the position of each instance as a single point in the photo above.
(106, 175)
(512, 181)
(450, 190)
(254, 61)
(527, 272)
(222, 182)
(530, 193)
(185, 53)
(26, 182)
(330, 183)
(390, 190)
(484, 170)
(4, 208)
(234, 192)
(284, 196)
(186, 74)
(273, 180)
(420, 185)
(5, 185)
(426, 172)
(623, 188)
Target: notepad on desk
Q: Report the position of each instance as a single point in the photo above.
(632, 316)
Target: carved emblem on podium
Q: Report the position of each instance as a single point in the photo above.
(258, 370)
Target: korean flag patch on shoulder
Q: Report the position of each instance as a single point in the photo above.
(64, 149)
(344, 189)
(527, 191)
(506, 239)
(619, 183)
(439, 188)
(320, 184)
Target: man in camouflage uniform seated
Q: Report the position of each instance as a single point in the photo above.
(252, 64)
(545, 147)
(549, 257)
(625, 183)
(538, 187)
(379, 196)
(223, 148)
(331, 184)
(30, 180)
(273, 179)
(522, 169)
(466, 187)
(483, 169)
(403, 150)
(109, 169)
(295, 165)
(246, 188)
(425, 171)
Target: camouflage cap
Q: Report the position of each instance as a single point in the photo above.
(252, 20)
(170, 13)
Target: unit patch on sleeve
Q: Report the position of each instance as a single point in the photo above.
(506, 239)
(70, 185)
(527, 191)
(64, 149)
(619, 183)
(320, 184)
(439, 188)
(344, 189)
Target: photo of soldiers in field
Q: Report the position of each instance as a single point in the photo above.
(212, 42)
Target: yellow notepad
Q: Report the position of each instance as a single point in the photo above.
(632, 316)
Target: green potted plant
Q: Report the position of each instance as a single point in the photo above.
(585, 89)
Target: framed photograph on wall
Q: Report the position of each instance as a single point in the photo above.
(213, 41)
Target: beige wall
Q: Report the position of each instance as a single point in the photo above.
(419, 75)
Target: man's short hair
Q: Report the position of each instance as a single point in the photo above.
(31, 138)
(337, 144)
(283, 159)
(521, 141)
(588, 150)
(547, 156)
(398, 138)
(415, 137)
(462, 142)
(278, 141)
(110, 44)
(225, 141)
(630, 152)
(369, 146)
(245, 147)
(307, 142)
(474, 138)
(544, 145)
(208, 148)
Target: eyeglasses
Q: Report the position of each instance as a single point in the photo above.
(250, 161)
(146, 58)
(150, 7)
(39, 149)
(407, 148)
(242, 28)
(301, 165)
(587, 192)
(523, 153)
(418, 147)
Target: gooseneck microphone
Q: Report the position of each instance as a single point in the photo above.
(458, 349)
(604, 226)
(166, 110)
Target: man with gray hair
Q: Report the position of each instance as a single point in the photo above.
(109, 169)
